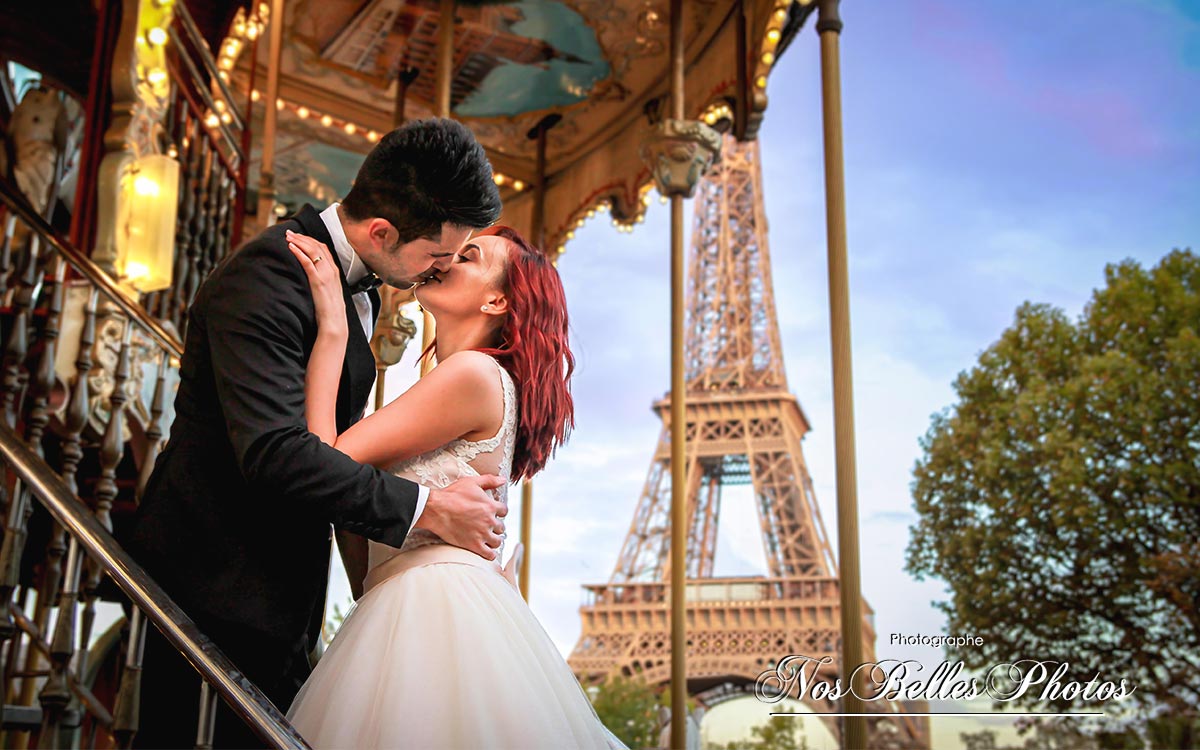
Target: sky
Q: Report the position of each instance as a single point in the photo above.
(995, 153)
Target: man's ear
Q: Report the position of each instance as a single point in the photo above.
(383, 232)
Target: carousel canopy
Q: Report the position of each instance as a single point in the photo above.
(601, 66)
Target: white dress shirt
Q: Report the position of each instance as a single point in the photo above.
(355, 269)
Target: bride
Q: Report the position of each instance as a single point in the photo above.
(441, 650)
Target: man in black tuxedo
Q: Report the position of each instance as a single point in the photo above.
(236, 518)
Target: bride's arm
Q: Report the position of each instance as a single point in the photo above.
(460, 396)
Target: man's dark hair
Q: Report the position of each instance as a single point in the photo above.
(423, 174)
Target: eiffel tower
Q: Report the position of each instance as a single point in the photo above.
(743, 428)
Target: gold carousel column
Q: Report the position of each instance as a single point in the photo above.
(829, 26)
(538, 226)
(445, 76)
(393, 330)
(266, 182)
(678, 154)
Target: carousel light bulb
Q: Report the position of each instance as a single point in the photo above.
(519, 185)
(252, 32)
(768, 58)
(254, 95)
(498, 178)
(781, 14)
(773, 35)
(372, 136)
(591, 212)
(156, 76)
(157, 35)
(350, 128)
(302, 112)
(662, 199)
(761, 82)
(212, 120)
(279, 104)
(326, 120)
(226, 118)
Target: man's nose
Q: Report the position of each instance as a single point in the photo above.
(443, 264)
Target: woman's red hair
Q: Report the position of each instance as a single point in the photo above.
(535, 352)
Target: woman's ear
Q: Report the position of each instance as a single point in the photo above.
(496, 304)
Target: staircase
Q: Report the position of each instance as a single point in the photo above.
(85, 376)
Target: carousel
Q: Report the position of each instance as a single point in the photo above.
(144, 140)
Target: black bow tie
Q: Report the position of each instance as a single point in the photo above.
(365, 284)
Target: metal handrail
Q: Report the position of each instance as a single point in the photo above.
(184, 17)
(246, 700)
(88, 269)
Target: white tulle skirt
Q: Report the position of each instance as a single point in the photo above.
(442, 652)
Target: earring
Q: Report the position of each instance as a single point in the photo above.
(485, 308)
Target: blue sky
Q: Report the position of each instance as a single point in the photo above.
(996, 152)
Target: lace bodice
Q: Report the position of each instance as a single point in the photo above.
(459, 458)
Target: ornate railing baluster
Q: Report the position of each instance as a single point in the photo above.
(125, 713)
(188, 150)
(154, 428)
(6, 243)
(212, 201)
(16, 348)
(200, 223)
(56, 695)
(112, 449)
(40, 388)
(207, 721)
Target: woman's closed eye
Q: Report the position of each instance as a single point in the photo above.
(468, 253)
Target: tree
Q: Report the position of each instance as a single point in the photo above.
(1058, 734)
(779, 733)
(1059, 499)
(630, 708)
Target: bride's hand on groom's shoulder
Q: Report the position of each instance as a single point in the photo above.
(323, 280)
(467, 514)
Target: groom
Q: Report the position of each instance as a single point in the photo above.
(235, 521)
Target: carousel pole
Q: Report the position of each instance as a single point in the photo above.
(266, 182)
(678, 424)
(404, 76)
(445, 76)
(829, 26)
(538, 226)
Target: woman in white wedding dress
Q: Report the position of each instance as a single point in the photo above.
(441, 650)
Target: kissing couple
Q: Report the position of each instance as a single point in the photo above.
(269, 451)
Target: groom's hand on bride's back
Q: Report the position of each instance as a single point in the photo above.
(467, 514)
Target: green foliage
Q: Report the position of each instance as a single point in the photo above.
(1059, 499)
(1062, 734)
(631, 709)
(779, 733)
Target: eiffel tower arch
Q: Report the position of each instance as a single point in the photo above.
(743, 428)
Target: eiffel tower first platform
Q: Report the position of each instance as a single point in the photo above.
(743, 428)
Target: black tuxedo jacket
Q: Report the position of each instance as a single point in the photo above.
(235, 520)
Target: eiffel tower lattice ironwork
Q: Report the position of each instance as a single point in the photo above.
(743, 428)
